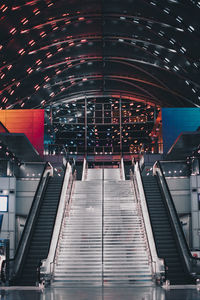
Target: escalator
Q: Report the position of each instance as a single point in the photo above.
(37, 245)
(165, 237)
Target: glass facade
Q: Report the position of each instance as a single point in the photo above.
(103, 126)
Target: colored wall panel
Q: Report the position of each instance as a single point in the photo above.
(27, 121)
(177, 120)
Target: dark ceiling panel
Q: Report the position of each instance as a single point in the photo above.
(55, 50)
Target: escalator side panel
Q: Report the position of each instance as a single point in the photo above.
(42, 232)
(166, 244)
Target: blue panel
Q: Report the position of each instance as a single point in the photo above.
(177, 120)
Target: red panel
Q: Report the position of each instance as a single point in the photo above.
(27, 121)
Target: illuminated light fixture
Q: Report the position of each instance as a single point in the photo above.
(36, 11)
(29, 70)
(172, 50)
(49, 55)
(42, 34)
(191, 28)
(24, 21)
(43, 102)
(13, 30)
(15, 7)
(21, 51)
(176, 68)
(38, 62)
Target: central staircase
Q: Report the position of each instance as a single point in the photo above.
(102, 241)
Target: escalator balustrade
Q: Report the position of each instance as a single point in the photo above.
(167, 246)
(41, 234)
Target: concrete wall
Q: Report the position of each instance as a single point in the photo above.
(20, 223)
(25, 191)
(20, 196)
(180, 191)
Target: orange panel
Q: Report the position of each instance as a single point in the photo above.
(27, 121)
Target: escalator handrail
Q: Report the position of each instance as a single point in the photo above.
(26, 234)
(175, 221)
(159, 262)
(45, 268)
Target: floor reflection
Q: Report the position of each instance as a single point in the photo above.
(20, 295)
(140, 293)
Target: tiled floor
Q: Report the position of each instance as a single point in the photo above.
(141, 293)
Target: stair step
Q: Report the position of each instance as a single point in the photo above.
(124, 246)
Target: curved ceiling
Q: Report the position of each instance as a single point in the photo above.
(55, 51)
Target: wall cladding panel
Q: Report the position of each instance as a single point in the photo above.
(29, 122)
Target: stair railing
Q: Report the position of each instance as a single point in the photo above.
(122, 169)
(136, 192)
(158, 266)
(191, 263)
(84, 174)
(47, 266)
(32, 216)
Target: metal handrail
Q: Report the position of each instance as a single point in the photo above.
(24, 241)
(67, 207)
(142, 219)
(158, 265)
(122, 169)
(84, 169)
(46, 269)
(192, 264)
